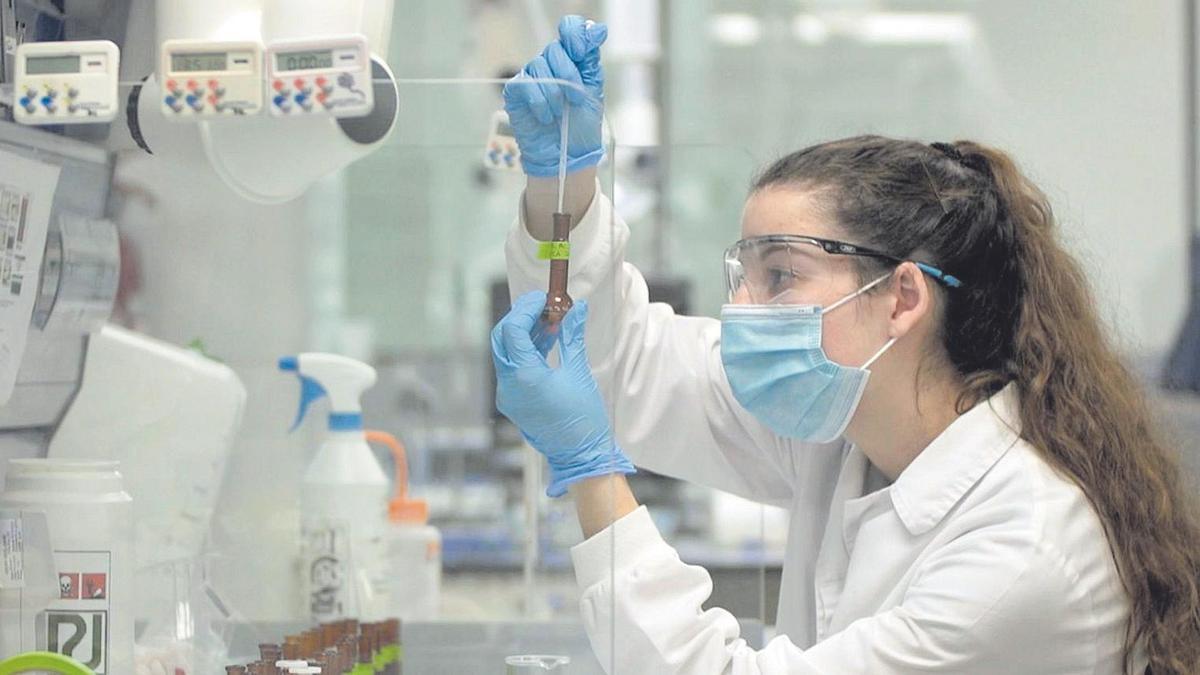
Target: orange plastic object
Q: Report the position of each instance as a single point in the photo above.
(401, 509)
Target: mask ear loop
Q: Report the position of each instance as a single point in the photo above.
(879, 353)
(855, 294)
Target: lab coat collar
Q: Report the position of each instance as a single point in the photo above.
(955, 461)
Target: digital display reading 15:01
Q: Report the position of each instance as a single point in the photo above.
(304, 60)
(187, 63)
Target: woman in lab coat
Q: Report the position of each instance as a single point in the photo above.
(991, 499)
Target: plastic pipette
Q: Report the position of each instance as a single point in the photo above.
(558, 302)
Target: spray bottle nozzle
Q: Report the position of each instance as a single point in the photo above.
(310, 389)
(341, 379)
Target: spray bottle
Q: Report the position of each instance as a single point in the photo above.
(344, 497)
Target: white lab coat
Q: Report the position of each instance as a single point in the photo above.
(978, 559)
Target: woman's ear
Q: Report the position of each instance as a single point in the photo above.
(913, 299)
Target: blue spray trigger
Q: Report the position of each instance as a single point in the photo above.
(310, 389)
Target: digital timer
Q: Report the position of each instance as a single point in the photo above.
(66, 82)
(203, 78)
(327, 76)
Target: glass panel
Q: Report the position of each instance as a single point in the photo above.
(780, 75)
(678, 233)
(398, 261)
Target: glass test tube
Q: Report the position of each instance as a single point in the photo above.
(558, 301)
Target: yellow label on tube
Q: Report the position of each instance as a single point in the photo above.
(554, 250)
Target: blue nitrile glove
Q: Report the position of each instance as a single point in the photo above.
(559, 410)
(535, 107)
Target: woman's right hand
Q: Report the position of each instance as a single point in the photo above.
(535, 104)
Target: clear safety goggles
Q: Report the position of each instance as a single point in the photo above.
(791, 269)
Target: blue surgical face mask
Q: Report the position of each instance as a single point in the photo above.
(775, 365)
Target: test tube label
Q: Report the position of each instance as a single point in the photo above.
(554, 250)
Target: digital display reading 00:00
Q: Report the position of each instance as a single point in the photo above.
(187, 63)
(51, 65)
(304, 60)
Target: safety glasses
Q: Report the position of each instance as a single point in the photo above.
(786, 268)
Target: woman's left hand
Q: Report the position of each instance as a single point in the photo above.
(559, 410)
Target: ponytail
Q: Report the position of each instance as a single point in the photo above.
(1087, 415)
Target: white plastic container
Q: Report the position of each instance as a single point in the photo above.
(414, 560)
(90, 521)
(412, 547)
(141, 396)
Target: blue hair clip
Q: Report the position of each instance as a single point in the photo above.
(949, 280)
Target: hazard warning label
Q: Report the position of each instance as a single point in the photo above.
(76, 625)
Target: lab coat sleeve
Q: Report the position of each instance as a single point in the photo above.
(980, 606)
(670, 403)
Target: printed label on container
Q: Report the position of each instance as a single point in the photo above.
(76, 625)
(326, 571)
(12, 553)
